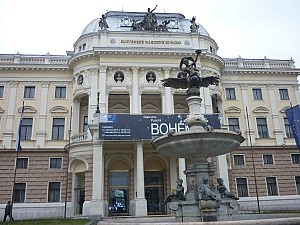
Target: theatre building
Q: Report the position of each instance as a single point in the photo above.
(75, 162)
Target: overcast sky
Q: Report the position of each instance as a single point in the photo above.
(249, 28)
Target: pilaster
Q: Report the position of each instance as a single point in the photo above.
(102, 88)
(8, 133)
(277, 130)
(41, 134)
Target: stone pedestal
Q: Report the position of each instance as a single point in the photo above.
(228, 207)
(186, 211)
(192, 211)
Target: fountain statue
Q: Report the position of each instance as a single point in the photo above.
(201, 202)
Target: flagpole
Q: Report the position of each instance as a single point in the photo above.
(68, 153)
(253, 165)
(18, 148)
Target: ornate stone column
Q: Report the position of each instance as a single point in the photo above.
(102, 89)
(75, 116)
(96, 205)
(297, 93)
(140, 201)
(8, 132)
(277, 130)
(246, 104)
(41, 133)
(135, 107)
(168, 97)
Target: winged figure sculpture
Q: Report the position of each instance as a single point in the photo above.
(189, 77)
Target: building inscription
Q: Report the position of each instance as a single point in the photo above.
(150, 42)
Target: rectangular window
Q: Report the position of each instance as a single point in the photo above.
(233, 124)
(85, 124)
(22, 163)
(268, 159)
(55, 163)
(1, 91)
(230, 93)
(288, 129)
(271, 186)
(58, 129)
(60, 92)
(257, 94)
(284, 94)
(26, 128)
(262, 127)
(239, 159)
(295, 158)
(297, 180)
(242, 187)
(54, 192)
(29, 92)
(19, 192)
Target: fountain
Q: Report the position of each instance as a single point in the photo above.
(200, 202)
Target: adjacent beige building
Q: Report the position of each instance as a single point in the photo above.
(65, 168)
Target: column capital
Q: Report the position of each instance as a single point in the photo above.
(45, 84)
(244, 86)
(135, 69)
(14, 84)
(102, 69)
(270, 86)
(167, 69)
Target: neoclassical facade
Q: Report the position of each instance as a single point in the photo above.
(67, 169)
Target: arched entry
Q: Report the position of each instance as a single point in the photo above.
(78, 167)
(118, 180)
(154, 186)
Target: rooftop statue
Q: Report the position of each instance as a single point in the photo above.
(102, 22)
(150, 19)
(189, 77)
(149, 22)
(194, 26)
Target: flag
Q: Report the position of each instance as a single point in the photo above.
(293, 116)
(18, 139)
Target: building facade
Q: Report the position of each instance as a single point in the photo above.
(66, 169)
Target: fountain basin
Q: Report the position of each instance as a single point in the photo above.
(200, 143)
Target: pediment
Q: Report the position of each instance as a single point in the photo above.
(1, 110)
(181, 108)
(59, 109)
(260, 109)
(29, 109)
(119, 108)
(284, 109)
(233, 109)
(150, 108)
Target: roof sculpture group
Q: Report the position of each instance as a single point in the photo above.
(149, 23)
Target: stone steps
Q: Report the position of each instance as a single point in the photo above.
(166, 219)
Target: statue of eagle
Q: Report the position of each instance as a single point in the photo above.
(188, 81)
(189, 76)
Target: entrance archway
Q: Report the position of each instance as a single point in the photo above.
(118, 180)
(154, 176)
(78, 167)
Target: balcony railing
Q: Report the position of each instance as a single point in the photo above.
(259, 63)
(82, 137)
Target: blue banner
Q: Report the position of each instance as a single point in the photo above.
(293, 116)
(144, 127)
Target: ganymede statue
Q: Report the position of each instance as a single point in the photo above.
(201, 202)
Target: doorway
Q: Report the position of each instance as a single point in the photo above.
(118, 193)
(154, 192)
(79, 192)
